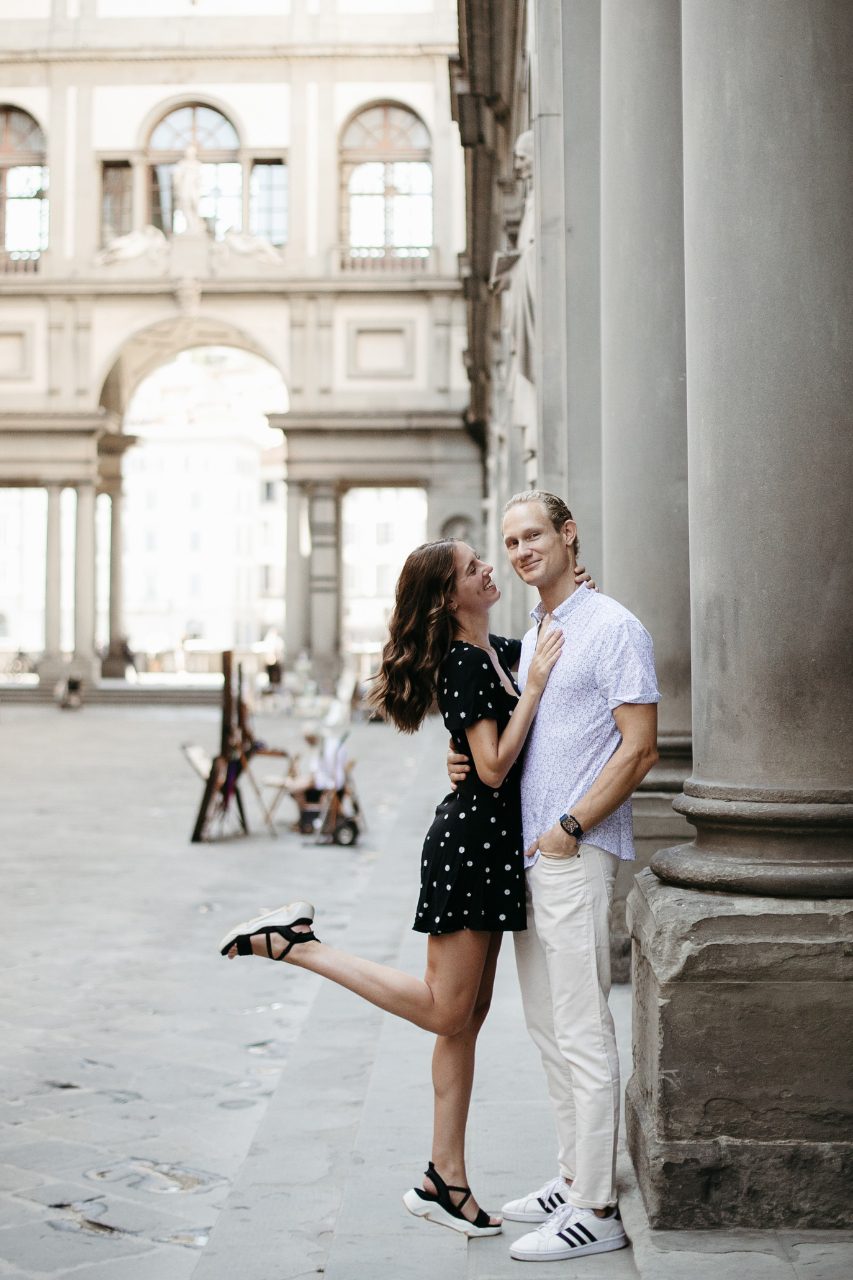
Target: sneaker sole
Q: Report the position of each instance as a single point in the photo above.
(531, 1215)
(560, 1255)
(433, 1212)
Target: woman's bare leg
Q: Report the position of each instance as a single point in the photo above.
(453, 1079)
(442, 1001)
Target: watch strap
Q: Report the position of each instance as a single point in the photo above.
(571, 826)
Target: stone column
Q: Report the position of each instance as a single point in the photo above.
(51, 664)
(297, 631)
(53, 576)
(643, 393)
(566, 128)
(115, 661)
(739, 1110)
(324, 584)
(84, 663)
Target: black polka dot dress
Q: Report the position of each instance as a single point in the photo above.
(472, 865)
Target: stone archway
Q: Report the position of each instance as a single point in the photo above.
(157, 344)
(139, 357)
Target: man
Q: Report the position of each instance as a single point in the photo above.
(592, 743)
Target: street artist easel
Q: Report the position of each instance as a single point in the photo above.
(221, 788)
(222, 812)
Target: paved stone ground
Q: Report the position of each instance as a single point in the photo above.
(152, 1092)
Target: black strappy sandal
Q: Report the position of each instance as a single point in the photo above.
(279, 924)
(441, 1209)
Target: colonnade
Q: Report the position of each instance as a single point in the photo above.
(84, 659)
(694, 383)
(726, 258)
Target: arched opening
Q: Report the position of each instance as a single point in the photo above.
(203, 511)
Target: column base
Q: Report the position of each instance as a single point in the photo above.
(739, 1112)
(788, 844)
(52, 667)
(326, 667)
(114, 664)
(85, 667)
(691, 1186)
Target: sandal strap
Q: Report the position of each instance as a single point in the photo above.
(288, 935)
(443, 1193)
(284, 931)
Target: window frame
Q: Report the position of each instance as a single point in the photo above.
(116, 162)
(266, 157)
(24, 158)
(245, 156)
(350, 158)
(143, 160)
(157, 157)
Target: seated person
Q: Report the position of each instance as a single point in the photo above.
(326, 771)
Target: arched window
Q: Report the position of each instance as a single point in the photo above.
(386, 175)
(196, 135)
(197, 166)
(23, 190)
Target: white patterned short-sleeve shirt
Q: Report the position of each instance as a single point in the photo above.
(607, 660)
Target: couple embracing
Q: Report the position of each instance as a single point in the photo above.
(550, 737)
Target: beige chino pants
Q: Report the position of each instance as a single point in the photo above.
(563, 963)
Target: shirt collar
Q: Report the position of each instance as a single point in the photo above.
(563, 611)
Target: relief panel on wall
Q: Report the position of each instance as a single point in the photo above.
(377, 350)
(16, 353)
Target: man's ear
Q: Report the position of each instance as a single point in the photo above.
(570, 532)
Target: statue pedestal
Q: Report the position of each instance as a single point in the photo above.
(190, 255)
(739, 1111)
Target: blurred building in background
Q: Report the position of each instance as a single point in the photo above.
(282, 180)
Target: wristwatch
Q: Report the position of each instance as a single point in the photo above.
(571, 826)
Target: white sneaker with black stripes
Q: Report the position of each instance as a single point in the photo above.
(571, 1232)
(539, 1205)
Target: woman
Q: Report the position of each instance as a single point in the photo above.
(472, 888)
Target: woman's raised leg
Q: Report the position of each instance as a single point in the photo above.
(442, 1001)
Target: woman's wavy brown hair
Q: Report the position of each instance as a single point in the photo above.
(420, 630)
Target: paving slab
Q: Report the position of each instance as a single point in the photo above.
(156, 1264)
(59, 1244)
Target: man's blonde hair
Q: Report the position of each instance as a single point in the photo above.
(558, 512)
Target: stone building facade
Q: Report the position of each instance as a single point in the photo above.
(692, 246)
(280, 178)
